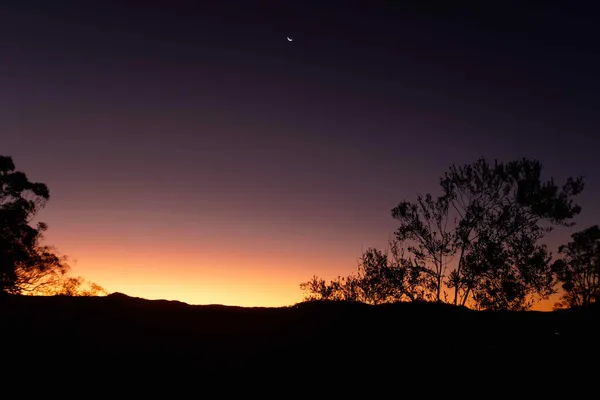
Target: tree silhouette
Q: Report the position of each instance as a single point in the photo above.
(382, 277)
(76, 286)
(341, 288)
(490, 217)
(502, 211)
(27, 266)
(44, 272)
(424, 226)
(23, 262)
(579, 268)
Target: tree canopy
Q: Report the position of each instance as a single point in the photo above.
(476, 244)
(382, 277)
(578, 270)
(27, 266)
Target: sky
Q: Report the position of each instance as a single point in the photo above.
(194, 153)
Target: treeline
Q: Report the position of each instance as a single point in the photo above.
(26, 265)
(478, 244)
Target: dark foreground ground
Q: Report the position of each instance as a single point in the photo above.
(123, 329)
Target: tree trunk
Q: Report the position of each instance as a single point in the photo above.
(439, 280)
(456, 287)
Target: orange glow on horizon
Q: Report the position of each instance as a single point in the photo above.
(258, 267)
(227, 285)
(229, 279)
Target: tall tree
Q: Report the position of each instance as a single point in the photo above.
(24, 262)
(499, 212)
(504, 210)
(578, 270)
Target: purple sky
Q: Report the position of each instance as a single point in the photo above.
(192, 140)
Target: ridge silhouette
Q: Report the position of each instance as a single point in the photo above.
(125, 328)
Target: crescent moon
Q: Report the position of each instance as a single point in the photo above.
(289, 39)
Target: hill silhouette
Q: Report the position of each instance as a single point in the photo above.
(123, 328)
